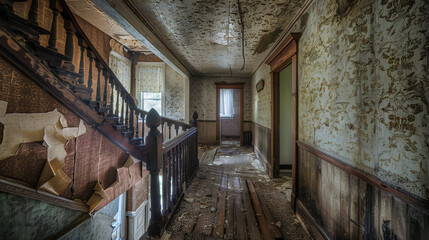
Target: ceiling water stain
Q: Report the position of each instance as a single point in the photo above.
(266, 40)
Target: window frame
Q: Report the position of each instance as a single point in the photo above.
(163, 75)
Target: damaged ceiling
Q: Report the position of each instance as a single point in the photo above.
(88, 11)
(206, 34)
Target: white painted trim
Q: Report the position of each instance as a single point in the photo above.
(139, 209)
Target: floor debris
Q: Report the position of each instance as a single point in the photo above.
(218, 203)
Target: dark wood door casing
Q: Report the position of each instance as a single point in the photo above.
(285, 54)
(224, 85)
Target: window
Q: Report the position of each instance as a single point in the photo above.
(151, 100)
(150, 86)
(226, 103)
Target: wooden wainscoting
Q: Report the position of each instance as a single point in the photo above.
(261, 141)
(342, 202)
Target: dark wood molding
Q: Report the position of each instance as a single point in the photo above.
(222, 85)
(171, 143)
(14, 187)
(285, 54)
(374, 181)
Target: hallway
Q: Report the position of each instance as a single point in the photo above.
(218, 203)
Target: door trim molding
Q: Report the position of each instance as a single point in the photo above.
(285, 54)
(224, 85)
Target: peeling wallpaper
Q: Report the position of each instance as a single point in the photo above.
(174, 94)
(364, 88)
(203, 96)
(261, 101)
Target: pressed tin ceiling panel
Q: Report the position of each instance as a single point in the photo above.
(206, 34)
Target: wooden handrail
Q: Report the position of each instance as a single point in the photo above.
(130, 99)
(169, 144)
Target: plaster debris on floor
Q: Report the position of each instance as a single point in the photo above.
(219, 203)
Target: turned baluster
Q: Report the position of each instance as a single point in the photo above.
(111, 96)
(122, 108)
(106, 76)
(69, 48)
(137, 124)
(81, 79)
(126, 114)
(164, 185)
(117, 101)
(97, 65)
(169, 180)
(174, 180)
(169, 130)
(91, 58)
(32, 14)
(52, 43)
(143, 115)
(162, 129)
(177, 129)
(132, 121)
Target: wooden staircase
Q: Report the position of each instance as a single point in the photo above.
(102, 102)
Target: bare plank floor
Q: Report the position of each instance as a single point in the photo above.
(231, 198)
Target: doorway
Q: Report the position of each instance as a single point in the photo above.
(229, 113)
(285, 118)
(283, 57)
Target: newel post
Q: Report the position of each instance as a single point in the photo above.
(195, 118)
(154, 164)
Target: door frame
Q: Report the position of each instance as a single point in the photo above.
(224, 85)
(284, 55)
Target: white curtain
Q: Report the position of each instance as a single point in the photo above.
(226, 102)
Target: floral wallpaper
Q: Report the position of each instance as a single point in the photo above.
(150, 77)
(261, 101)
(203, 96)
(122, 69)
(364, 87)
(174, 95)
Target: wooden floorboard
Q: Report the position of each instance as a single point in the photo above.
(239, 218)
(220, 204)
(252, 224)
(218, 230)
